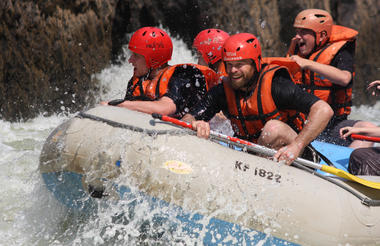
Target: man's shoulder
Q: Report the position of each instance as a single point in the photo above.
(282, 74)
(191, 72)
(189, 68)
(344, 58)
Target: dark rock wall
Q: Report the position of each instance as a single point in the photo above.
(364, 17)
(51, 49)
(49, 52)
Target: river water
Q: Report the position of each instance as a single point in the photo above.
(29, 215)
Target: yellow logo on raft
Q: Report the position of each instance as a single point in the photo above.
(177, 167)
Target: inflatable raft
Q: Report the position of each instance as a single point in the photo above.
(208, 190)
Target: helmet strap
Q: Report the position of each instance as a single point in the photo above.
(212, 66)
(319, 45)
(253, 80)
(149, 72)
(256, 74)
(155, 71)
(147, 75)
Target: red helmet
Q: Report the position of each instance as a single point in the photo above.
(154, 44)
(209, 43)
(242, 46)
(317, 20)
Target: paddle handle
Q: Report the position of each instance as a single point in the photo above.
(172, 120)
(188, 125)
(221, 137)
(363, 137)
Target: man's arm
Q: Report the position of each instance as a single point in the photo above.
(319, 115)
(374, 88)
(369, 131)
(188, 118)
(164, 106)
(213, 102)
(339, 71)
(335, 75)
(202, 127)
(287, 95)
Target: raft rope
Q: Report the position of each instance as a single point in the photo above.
(133, 128)
(364, 200)
(322, 156)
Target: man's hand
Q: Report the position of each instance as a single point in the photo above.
(302, 62)
(202, 128)
(374, 88)
(288, 153)
(292, 47)
(347, 131)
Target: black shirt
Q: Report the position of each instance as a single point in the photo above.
(344, 59)
(285, 94)
(187, 87)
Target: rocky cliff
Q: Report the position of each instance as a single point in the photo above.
(51, 49)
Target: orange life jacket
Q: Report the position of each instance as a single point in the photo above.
(339, 98)
(154, 89)
(292, 66)
(222, 70)
(294, 70)
(248, 115)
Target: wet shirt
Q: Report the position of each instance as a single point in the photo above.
(187, 87)
(344, 59)
(285, 93)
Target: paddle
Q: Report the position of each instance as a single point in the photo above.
(270, 152)
(366, 138)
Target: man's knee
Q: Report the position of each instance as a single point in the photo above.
(276, 133)
(364, 161)
(358, 152)
(355, 161)
(272, 129)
